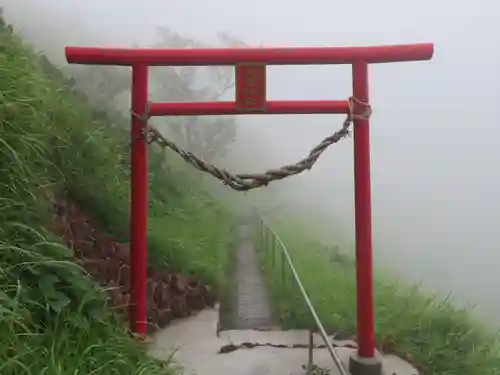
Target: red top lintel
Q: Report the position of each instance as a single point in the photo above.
(232, 56)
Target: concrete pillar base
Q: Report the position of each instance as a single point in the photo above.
(365, 366)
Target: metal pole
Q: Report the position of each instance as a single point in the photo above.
(139, 201)
(273, 252)
(265, 239)
(282, 267)
(310, 352)
(261, 223)
(364, 268)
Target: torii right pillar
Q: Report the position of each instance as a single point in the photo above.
(366, 360)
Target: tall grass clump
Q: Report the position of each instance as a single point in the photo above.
(53, 318)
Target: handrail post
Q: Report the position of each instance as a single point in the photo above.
(273, 252)
(282, 268)
(261, 224)
(266, 238)
(310, 358)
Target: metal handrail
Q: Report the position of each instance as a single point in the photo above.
(330, 347)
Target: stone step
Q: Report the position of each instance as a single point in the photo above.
(196, 347)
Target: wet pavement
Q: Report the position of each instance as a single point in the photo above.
(194, 346)
(252, 302)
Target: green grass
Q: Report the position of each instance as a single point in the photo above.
(443, 340)
(53, 318)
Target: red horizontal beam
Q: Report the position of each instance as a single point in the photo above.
(232, 56)
(278, 107)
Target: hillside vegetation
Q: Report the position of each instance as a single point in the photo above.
(54, 319)
(429, 331)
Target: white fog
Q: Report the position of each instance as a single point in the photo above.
(436, 207)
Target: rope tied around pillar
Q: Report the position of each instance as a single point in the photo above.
(249, 181)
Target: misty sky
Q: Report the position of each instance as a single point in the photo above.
(434, 129)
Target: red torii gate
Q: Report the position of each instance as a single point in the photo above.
(250, 66)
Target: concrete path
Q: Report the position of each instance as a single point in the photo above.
(253, 348)
(196, 348)
(252, 303)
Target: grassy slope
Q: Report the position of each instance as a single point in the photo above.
(441, 339)
(52, 317)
